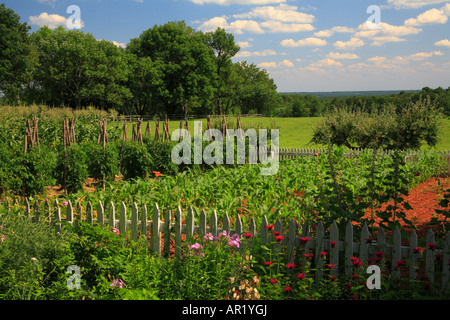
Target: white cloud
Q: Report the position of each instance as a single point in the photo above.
(352, 44)
(277, 26)
(445, 43)
(281, 64)
(244, 44)
(49, 2)
(308, 42)
(264, 53)
(228, 2)
(324, 33)
(214, 23)
(282, 13)
(386, 32)
(400, 4)
(239, 26)
(119, 44)
(327, 62)
(432, 16)
(341, 56)
(51, 20)
(419, 56)
(342, 29)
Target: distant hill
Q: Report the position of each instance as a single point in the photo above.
(331, 94)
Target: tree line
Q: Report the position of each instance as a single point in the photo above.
(169, 69)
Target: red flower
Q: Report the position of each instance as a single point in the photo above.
(332, 278)
(304, 240)
(248, 235)
(356, 262)
(400, 263)
(331, 266)
(417, 174)
(333, 244)
(269, 227)
(301, 276)
(308, 256)
(323, 253)
(432, 246)
(279, 238)
(277, 233)
(290, 265)
(288, 289)
(316, 154)
(273, 281)
(268, 263)
(379, 253)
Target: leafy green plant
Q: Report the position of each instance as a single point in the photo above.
(72, 169)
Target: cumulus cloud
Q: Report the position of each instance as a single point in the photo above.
(228, 2)
(52, 21)
(244, 44)
(413, 4)
(445, 43)
(282, 13)
(386, 32)
(264, 53)
(119, 44)
(308, 42)
(352, 44)
(281, 64)
(342, 56)
(324, 33)
(277, 26)
(282, 18)
(432, 16)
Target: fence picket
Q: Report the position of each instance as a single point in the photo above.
(446, 263)
(112, 215)
(89, 213)
(178, 230)
(291, 241)
(134, 222)
(412, 255)
(166, 231)
(348, 247)
(320, 234)
(429, 256)
(144, 222)
(334, 249)
(156, 235)
(100, 214)
(122, 219)
(364, 243)
(396, 252)
(202, 223)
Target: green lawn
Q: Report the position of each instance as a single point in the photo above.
(294, 132)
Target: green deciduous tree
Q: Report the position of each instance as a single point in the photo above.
(16, 58)
(76, 70)
(185, 62)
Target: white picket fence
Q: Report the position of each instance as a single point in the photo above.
(262, 154)
(339, 247)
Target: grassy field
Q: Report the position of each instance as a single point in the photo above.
(294, 132)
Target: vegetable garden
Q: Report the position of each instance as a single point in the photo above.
(369, 189)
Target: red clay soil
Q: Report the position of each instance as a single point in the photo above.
(424, 200)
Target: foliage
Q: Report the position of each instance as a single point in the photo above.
(103, 162)
(72, 169)
(136, 161)
(385, 129)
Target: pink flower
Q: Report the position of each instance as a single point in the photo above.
(208, 236)
(116, 231)
(2, 238)
(118, 283)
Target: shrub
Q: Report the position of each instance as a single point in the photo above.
(71, 171)
(386, 128)
(103, 162)
(136, 161)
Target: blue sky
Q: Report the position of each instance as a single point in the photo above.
(310, 45)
